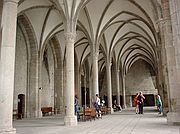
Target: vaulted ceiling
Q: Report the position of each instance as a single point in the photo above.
(122, 30)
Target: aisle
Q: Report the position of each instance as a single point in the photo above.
(125, 122)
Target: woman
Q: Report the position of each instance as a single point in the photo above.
(136, 103)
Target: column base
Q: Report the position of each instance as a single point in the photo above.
(165, 111)
(173, 118)
(8, 131)
(111, 111)
(70, 120)
(40, 114)
(124, 106)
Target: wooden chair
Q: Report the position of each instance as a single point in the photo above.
(104, 110)
(87, 113)
(46, 110)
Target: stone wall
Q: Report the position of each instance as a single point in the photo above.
(20, 85)
(21, 74)
(139, 79)
(47, 96)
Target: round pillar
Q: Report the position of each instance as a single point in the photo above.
(70, 118)
(7, 60)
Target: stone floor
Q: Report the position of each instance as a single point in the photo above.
(125, 122)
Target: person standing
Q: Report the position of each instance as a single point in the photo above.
(76, 107)
(97, 105)
(159, 104)
(76, 104)
(141, 102)
(136, 103)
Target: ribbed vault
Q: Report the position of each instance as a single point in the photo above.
(122, 29)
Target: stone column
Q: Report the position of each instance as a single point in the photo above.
(109, 86)
(85, 86)
(58, 88)
(1, 7)
(161, 77)
(173, 117)
(165, 39)
(39, 112)
(60, 91)
(117, 84)
(124, 91)
(37, 103)
(90, 91)
(77, 81)
(7, 60)
(95, 80)
(78, 85)
(70, 118)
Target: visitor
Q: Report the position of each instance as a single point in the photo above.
(159, 104)
(75, 104)
(116, 107)
(136, 103)
(141, 102)
(76, 107)
(97, 105)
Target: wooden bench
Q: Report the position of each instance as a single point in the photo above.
(46, 111)
(104, 110)
(93, 113)
(89, 114)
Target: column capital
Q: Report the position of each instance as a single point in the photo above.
(13, 1)
(95, 55)
(70, 37)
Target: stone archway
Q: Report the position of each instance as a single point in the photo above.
(58, 76)
(32, 65)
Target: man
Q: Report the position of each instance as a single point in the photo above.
(141, 102)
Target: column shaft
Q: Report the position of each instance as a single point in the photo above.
(124, 91)
(174, 70)
(7, 60)
(38, 112)
(70, 118)
(118, 89)
(95, 74)
(109, 86)
(1, 8)
(90, 92)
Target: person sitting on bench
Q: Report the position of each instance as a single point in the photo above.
(116, 106)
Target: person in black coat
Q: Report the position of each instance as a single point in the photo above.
(141, 102)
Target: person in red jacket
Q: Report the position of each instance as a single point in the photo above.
(136, 103)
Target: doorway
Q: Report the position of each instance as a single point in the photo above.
(21, 106)
(85, 97)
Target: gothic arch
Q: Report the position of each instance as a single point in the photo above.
(32, 73)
